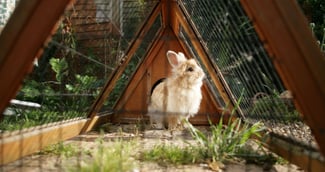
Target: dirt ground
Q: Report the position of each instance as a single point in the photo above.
(147, 139)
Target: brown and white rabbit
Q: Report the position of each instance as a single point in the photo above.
(179, 96)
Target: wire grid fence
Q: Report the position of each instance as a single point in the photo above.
(6, 8)
(91, 40)
(234, 47)
(132, 66)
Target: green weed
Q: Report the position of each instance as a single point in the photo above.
(171, 154)
(225, 140)
(118, 156)
(61, 149)
(30, 118)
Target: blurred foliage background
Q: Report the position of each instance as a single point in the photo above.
(315, 13)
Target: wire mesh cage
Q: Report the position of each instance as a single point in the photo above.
(103, 60)
(235, 48)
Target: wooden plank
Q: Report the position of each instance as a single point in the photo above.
(179, 18)
(18, 144)
(22, 40)
(297, 57)
(165, 10)
(308, 160)
(119, 70)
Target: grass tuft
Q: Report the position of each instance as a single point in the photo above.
(172, 154)
(61, 149)
(118, 156)
(225, 140)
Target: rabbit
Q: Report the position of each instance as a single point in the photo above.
(178, 96)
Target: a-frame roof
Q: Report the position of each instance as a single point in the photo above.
(133, 102)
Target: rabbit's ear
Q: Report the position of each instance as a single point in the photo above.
(174, 58)
(181, 56)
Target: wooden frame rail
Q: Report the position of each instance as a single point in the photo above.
(17, 144)
(309, 160)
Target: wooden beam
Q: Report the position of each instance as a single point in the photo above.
(22, 40)
(119, 70)
(308, 160)
(165, 11)
(285, 33)
(17, 144)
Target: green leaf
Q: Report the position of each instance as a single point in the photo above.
(59, 66)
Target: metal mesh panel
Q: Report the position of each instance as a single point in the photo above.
(186, 38)
(233, 45)
(91, 40)
(6, 8)
(132, 66)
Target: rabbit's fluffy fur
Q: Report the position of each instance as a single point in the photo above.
(178, 96)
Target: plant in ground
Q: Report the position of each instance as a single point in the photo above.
(33, 117)
(173, 154)
(118, 156)
(225, 140)
(61, 149)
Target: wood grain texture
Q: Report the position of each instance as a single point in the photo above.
(17, 144)
(307, 160)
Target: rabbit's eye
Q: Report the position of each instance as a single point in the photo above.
(190, 69)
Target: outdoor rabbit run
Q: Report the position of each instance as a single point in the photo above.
(160, 85)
